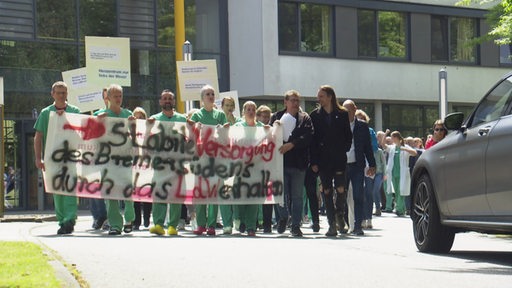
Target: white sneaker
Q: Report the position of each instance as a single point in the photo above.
(237, 224)
(228, 230)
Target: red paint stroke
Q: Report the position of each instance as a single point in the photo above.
(91, 130)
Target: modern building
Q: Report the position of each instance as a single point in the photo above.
(385, 55)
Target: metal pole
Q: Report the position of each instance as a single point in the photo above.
(443, 93)
(179, 38)
(187, 56)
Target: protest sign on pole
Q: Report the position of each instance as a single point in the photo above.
(107, 60)
(193, 75)
(80, 93)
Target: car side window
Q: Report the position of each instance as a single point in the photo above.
(494, 104)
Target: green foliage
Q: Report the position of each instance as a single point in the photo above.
(23, 264)
(499, 19)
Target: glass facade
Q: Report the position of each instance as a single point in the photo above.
(42, 38)
(305, 27)
(382, 34)
(451, 39)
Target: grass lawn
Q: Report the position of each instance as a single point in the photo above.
(23, 264)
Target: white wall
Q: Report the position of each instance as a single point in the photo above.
(257, 69)
(383, 80)
(245, 46)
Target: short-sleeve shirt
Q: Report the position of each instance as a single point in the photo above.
(125, 113)
(44, 119)
(176, 117)
(214, 117)
(245, 124)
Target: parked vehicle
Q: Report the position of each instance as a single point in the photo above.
(464, 183)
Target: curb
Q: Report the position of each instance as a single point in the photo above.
(28, 218)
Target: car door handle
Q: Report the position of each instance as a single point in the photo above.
(483, 131)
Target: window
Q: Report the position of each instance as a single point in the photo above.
(494, 104)
(410, 120)
(305, 28)
(382, 34)
(506, 54)
(56, 19)
(97, 19)
(451, 38)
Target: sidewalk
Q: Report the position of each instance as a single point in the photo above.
(28, 216)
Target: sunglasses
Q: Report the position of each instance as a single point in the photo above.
(438, 129)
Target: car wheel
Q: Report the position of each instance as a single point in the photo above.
(429, 234)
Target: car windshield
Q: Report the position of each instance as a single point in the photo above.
(493, 106)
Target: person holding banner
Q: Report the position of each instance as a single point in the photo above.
(210, 116)
(331, 142)
(230, 212)
(297, 135)
(263, 114)
(115, 219)
(249, 213)
(65, 206)
(142, 209)
(167, 103)
(98, 208)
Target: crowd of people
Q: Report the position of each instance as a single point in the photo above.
(334, 162)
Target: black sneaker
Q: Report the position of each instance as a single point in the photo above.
(100, 221)
(316, 227)
(331, 232)
(267, 229)
(296, 232)
(66, 228)
(358, 232)
(241, 228)
(128, 228)
(114, 231)
(95, 225)
(281, 226)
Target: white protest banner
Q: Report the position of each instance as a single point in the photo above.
(168, 162)
(107, 60)
(193, 75)
(80, 93)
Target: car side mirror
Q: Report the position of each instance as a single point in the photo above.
(453, 121)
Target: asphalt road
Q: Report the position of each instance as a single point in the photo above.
(384, 257)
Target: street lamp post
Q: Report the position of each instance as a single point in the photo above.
(187, 51)
(443, 93)
(187, 56)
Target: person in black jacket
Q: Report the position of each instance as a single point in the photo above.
(331, 142)
(294, 150)
(360, 152)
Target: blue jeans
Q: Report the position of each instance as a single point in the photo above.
(293, 192)
(98, 209)
(355, 175)
(368, 198)
(377, 184)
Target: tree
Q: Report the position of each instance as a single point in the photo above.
(499, 19)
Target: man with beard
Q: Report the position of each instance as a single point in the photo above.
(331, 142)
(167, 103)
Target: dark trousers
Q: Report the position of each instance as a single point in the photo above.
(146, 209)
(355, 176)
(267, 215)
(310, 183)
